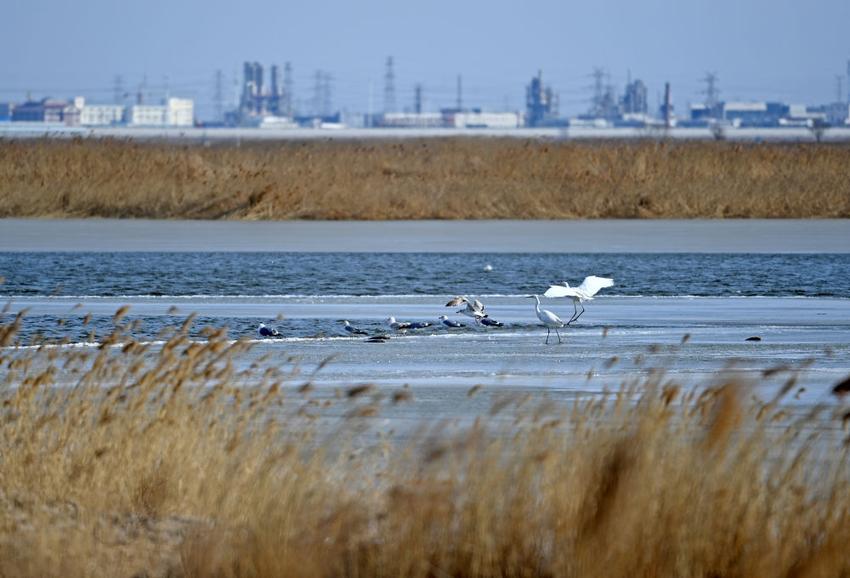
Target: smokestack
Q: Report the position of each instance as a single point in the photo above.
(667, 106)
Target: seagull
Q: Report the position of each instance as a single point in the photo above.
(264, 331)
(584, 292)
(487, 321)
(397, 325)
(450, 322)
(549, 319)
(353, 330)
(402, 325)
(474, 308)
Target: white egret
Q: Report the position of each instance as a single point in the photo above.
(351, 329)
(450, 322)
(264, 331)
(549, 319)
(584, 292)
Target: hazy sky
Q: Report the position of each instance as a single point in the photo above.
(780, 49)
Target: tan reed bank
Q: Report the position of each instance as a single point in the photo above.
(424, 179)
(169, 461)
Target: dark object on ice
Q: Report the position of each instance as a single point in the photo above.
(264, 331)
(753, 338)
(842, 388)
(377, 339)
(489, 322)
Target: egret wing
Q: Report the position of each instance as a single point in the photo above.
(560, 291)
(592, 284)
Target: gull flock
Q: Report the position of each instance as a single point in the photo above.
(473, 308)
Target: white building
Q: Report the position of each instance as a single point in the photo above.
(146, 115)
(180, 112)
(175, 112)
(412, 120)
(99, 114)
(485, 120)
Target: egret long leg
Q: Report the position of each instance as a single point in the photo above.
(548, 331)
(580, 313)
(575, 311)
(558, 334)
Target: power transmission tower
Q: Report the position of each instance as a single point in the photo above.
(288, 90)
(389, 87)
(848, 80)
(118, 95)
(140, 95)
(417, 98)
(598, 108)
(317, 94)
(218, 96)
(711, 92)
(327, 94)
(459, 104)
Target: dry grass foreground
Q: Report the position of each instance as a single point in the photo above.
(424, 179)
(169, 461)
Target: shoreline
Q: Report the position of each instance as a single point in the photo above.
(485, 236)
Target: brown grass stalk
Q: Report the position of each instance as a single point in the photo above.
(155, 463)
(424, 179)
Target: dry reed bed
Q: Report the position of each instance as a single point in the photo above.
(423, 179)
(168, 461)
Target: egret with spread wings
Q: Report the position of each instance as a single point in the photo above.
(584, 292)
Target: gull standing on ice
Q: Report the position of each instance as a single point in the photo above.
(402, 325)
(450, 322)
(353, 330)
(549, 319)
(584, 292)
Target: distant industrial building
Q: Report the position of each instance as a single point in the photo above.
(449, 118)
(634, 99)
(541, 103)
(764, 114)
(6, 109)
(174, 112)
(257, 101)
(478, 119)
(834, 114)
(47, 110)
(99, 114)
(754, 113)
(410, 120)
